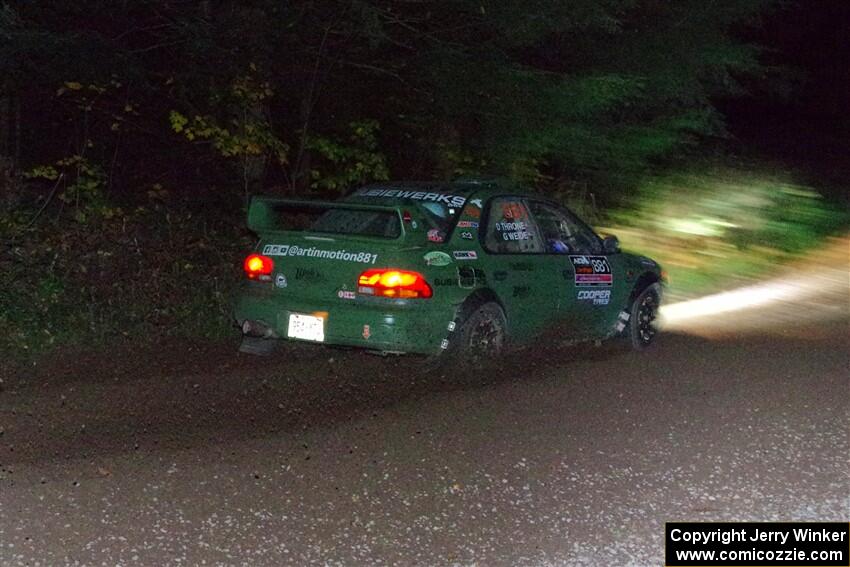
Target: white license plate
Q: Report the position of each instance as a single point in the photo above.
(306, 327)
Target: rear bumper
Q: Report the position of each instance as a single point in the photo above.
(405, 326)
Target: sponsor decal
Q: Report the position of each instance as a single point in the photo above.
(466, 235)
(591, 271)
(467, 224)
(280, 280)
(521, 266)
(511, 226)
(309, 274)
(516, 236)
(465, 255)
(622, 321)
(471, 211)
(594, 279)
(477, 203)
(595, 296)
(450, 200)
(313, 252)
(445, 282)
(345, 294)
(468, 277)
(367, 332)
(513, 230)
(437, 258)
(436, 235)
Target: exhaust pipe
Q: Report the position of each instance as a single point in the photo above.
(257, 329)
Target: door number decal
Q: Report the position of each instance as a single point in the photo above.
(592, 271)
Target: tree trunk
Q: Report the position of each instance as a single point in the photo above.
(10, 148)
(5, 123)
(16, 156)
(301, 164)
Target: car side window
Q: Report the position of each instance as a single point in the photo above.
(510, 230)
(562, 233)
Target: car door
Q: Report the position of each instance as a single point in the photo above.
(522, 275)
(591, 277)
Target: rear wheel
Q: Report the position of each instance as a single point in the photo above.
(483, 334)
(643, 318)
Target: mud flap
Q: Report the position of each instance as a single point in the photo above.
(258, 346)
(622, 321)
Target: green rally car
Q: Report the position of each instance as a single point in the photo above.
(425, 268)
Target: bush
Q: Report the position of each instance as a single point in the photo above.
(83, 279)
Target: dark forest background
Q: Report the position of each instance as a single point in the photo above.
(132, 133)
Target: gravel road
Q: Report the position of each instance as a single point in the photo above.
(189, 454)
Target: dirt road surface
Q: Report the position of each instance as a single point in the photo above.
(189, 454)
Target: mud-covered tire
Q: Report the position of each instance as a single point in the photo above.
(642, 328)
(482, 334)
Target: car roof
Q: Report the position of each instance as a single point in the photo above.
(467, 187)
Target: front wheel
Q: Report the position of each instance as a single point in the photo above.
(643, 317)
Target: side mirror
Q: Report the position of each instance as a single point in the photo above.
(610, 244)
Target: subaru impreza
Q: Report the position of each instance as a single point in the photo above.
(435, 268)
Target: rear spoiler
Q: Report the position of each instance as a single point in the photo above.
(261, 211)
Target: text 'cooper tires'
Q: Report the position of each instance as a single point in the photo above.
(483, 333)
(643, 317)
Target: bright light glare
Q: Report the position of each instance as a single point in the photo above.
(393, 283)
(737, 300)
(391, 279)
(255, 264)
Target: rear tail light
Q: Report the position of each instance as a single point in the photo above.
(394, 283)
(259, 267)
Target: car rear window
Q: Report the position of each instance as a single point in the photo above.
(438, 209)
(439, 216)
(336, 220)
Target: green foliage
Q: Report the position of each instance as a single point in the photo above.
(591, 91)
(140, 274)
(247, 132)
(242, 131)
(82, 184)
(247, 138)
(351, 163)
(716, 226)
(544, 91)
